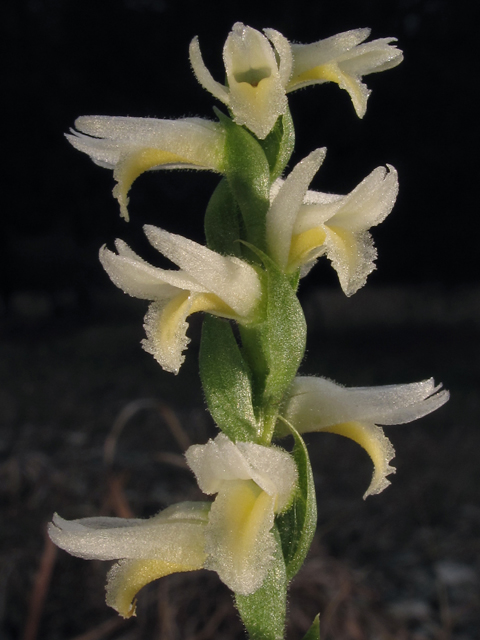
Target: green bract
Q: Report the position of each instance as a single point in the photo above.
(223, 221)
(248, 174)
(226, 381)
(297, 525)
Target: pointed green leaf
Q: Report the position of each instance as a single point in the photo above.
(248, 174)
(276, 347)
(263, 612)
(297, 525)
(278, 145)
(226, 381)
(314, 632)
(222, 222)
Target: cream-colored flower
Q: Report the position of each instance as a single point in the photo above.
(172, 541)
(344, 60)
(257, 74)
(303, 225)
(232, 536)
(253, 483)
(131, 146)
(222, 285)
(318, 404)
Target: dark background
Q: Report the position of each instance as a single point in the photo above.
(403, 565)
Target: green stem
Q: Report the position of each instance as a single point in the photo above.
(270, 417)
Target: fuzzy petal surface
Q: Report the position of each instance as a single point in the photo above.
(253, 483)
(338, 227)
(170, 542)
(344, 60)
(131, 146)
(318, 404)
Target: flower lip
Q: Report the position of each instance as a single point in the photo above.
(318, 404)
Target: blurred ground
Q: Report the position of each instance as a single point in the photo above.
(91, 425)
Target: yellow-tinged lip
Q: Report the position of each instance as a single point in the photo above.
(244, 518)
(303, 244)
(331, 72)
(134, 164)
(376, 444)
(166, 328)
(347, 245)
(127, 578)
(326, 72)
(184, 305)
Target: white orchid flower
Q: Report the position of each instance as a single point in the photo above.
(131, 146)
(222, 285)
(170, 542)
(318, 404)
(303, 225)
(252, 483)
(344, 60)
(257, 74)
(232, 536)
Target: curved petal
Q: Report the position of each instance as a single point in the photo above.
(140, 280)
(170, 536)
(284, 51)
(338, 226)
(369, 203)
(232, 280)
(343, 60)
(220, 461)
(172, 541)
(284, 209)
(376, 444)
(352, 256)
(127, 577)
(204, 76)
(166, 326)
(318, 404)
(309, 56)
(371, 57)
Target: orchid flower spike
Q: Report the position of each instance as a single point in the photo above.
(131, 146)
(224, 286)
(170, 542)
(257, 74)
(304, 225)
(318, 404)
(253, 483)
(344, 60)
